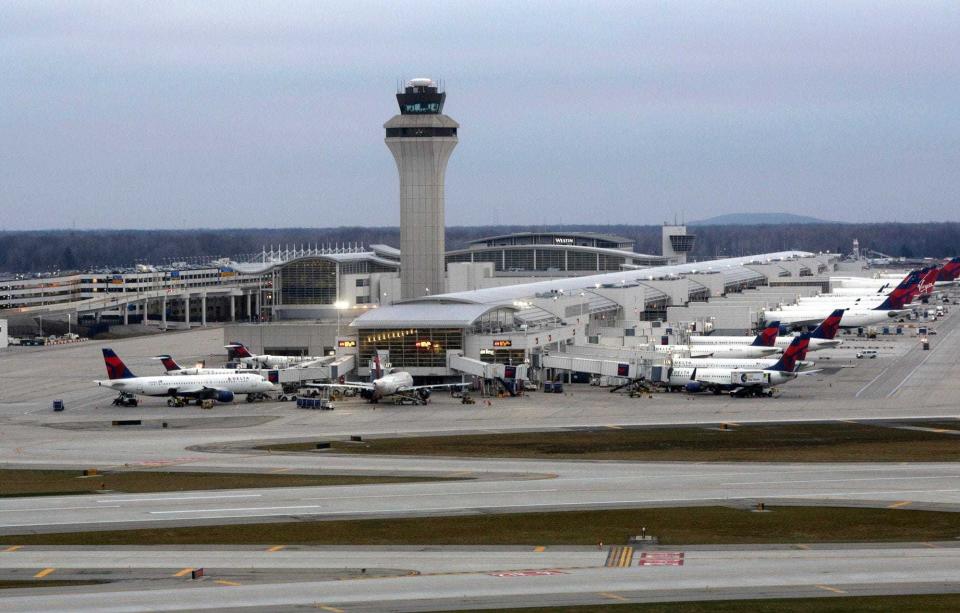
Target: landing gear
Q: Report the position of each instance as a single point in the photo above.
(176, 401)
(257, 397)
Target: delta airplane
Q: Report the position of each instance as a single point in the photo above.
(221, 388)
(382, 385)
(802, 364)
(762, 345)
(853, 316)
(172, 368)
(246, 357)
(822, 337)
(740, 382)
(858, 297)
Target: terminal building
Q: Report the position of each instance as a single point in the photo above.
(536, 300)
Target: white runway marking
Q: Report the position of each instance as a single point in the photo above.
(899, 477)
(917, 367)
(113, 506)
(304, 506)
(180, 498)
(425, 495)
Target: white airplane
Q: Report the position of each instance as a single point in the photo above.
(801, 357)
(222, 388)
(822, 337)
(741, 381)
(172, 368)
(243, 355)
(717, 351)
(859, 297)
(891, 308)
(382, 385)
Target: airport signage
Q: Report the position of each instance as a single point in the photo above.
(346, 344)
(528, 573)
(559, 240)
(661, 558)
(502, 343)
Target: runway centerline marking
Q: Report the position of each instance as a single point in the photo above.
(539, 549)
(43, 573)
(436, 494)
(111, 506)
(279, 470)
(302, 506)
(183, 572)
(781, 481)
(158, 499)
(830, 589)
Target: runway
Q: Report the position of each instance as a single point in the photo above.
(576, 485)
(484, 578)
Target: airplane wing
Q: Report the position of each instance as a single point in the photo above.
(413, 388)
(192, 388)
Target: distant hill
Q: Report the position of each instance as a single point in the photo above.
(757, 219)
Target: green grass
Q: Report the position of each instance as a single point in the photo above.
(928, 603)
(823, 442)
(674, 526)
(15, 482)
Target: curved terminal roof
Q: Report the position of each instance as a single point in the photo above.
(612, 238)
(435, 315)
(340, 258)
(732, 269)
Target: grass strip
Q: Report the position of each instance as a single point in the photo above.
(929, 603)
(16, 482)
(673, 526)
(821, 442)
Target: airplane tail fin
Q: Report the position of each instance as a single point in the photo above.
(240, 350)
(950, 270)
(788, 361)
(767, 336)
(116, 369)
(377, 368)
(168, 363)
(927, 281)
(902, 293)
(829, 327)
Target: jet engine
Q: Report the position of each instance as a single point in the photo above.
(693, 387)
(424, 394)
(224, 396)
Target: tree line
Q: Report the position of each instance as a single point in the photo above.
(64, 250)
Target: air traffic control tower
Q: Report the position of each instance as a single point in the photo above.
(421, 139)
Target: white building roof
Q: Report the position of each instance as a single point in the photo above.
(434, 315)
(510, 293)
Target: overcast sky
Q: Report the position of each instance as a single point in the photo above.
(266, 114)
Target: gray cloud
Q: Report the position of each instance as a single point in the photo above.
(182, 114)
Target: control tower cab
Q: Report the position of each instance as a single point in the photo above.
(676, 243)
(421, 139)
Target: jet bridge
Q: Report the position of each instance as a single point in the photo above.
(628, 369)
(484, 370)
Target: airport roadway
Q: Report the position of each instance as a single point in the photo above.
(471, 578)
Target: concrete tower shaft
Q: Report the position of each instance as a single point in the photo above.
(421, 140)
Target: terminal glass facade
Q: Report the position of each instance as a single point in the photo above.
(308, 281)
(412, 347)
